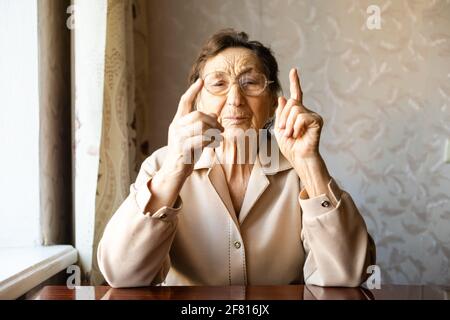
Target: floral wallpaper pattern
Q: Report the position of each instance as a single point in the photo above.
(384, 95)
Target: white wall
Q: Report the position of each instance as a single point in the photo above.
(19, 124)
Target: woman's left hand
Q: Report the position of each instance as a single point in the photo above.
(297, 129)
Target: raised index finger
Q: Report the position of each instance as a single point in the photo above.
(295, 88)
(188, 98)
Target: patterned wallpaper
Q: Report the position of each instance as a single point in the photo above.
(384, 95)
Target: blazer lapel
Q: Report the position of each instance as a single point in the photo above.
(208, 160)
(258, 181)
(217, 178)
(257, 184)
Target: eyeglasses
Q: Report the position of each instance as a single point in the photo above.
(251, 83)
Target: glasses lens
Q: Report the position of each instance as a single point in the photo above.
(217, 83)
(252, 83)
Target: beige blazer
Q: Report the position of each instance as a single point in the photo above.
(280, 237)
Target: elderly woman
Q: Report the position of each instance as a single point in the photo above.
(215, 222)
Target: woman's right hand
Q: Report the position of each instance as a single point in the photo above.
(188, 133)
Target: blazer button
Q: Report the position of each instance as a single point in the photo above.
(237, 244)
(325, 203)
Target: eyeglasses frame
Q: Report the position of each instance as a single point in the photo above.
(266, 84)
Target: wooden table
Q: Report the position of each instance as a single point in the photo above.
(288, 292)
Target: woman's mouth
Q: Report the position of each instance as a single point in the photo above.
(235, 119)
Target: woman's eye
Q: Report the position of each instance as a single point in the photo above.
(218, 84)
(249, 83)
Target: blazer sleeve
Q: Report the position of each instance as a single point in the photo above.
(134, 248)
(337, 245)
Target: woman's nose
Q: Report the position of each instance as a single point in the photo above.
(234, 96)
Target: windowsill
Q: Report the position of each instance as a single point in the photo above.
(22, 269)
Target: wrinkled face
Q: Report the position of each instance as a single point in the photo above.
(236, 110)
